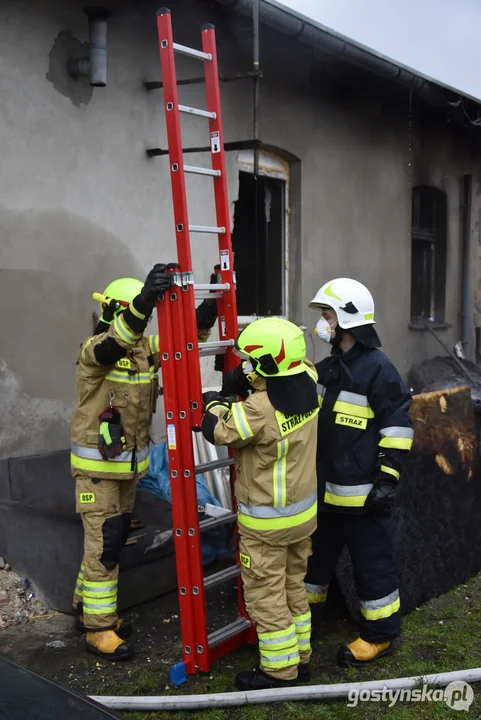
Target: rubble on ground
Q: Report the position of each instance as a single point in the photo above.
(18, 602)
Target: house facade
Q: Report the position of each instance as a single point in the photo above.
(360, 175)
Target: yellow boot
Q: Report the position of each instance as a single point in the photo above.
(360, 652)
(107, 645)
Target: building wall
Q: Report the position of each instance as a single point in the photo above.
(81, 204)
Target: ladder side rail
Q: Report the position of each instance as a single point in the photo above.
(228, 327)
(178, 300)
(184, 581)
(228, 323)
(179, 198)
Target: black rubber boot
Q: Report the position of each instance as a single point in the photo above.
(303, 673)
(258, 680)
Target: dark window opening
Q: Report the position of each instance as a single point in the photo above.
(258, 242)
(428, 260)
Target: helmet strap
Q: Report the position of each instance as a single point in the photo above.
(336, 340)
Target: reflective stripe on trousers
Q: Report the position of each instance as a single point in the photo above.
(303, 631)
(99, 598)
(316, 593)
(382, 608)
(279, 649)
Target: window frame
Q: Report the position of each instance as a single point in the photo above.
(271, 166)
(436, 238)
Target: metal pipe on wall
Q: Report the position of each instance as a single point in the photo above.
(256, 6)
(466, 283)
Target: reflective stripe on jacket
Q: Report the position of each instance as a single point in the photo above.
(132, 385)
(364, 426)
(275, 466)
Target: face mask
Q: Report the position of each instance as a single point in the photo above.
(323, 330)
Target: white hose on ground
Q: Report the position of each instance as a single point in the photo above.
(300, 692)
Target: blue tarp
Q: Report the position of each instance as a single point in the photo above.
(157, 481)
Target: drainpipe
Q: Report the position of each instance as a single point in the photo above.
(256, 68)
(95, 66)
(466, 284)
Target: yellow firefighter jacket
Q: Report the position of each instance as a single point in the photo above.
(132, 386)
(275, 463)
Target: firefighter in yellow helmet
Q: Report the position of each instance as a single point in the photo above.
(274, 434)
(117, 389)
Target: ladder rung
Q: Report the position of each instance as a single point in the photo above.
(213, 465)
(201, 171)
(207, 229)
(212, 286)
(197, 111)
(222, 576)
(216, 521)
(192, 52)
(205, 295)
(235, 628)
(215, 348)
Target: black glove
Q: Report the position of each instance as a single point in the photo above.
(235, 382)
(111, 442)
(214, 399)
(219, 362)
(383, 494)
(108, 312)
(156, 283)
(206, 313)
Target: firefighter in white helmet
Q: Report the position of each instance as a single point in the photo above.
(365, 433)
(274, 434)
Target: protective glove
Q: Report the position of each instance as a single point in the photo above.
(156, 283)
(206, 313)
(235, 382)
(214, 399)
(108, 312)
(383, 494)
(111, 442)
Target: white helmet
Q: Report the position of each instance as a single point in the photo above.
(351, 300)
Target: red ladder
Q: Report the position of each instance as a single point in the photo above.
(180, 358)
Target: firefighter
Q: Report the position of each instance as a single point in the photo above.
(274, 435)
(365, 433)
(117, 390)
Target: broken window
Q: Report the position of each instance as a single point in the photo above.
(258, 242)
(428, 259)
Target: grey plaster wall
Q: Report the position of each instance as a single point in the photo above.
(80, 203)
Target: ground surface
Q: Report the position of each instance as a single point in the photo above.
(439, 637)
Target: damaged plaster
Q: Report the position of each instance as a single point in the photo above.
(48, 292)
(65, 47)
(27, 422)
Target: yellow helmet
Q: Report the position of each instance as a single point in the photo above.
(124, 290)
(276, 346)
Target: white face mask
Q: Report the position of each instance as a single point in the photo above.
(323, 330)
